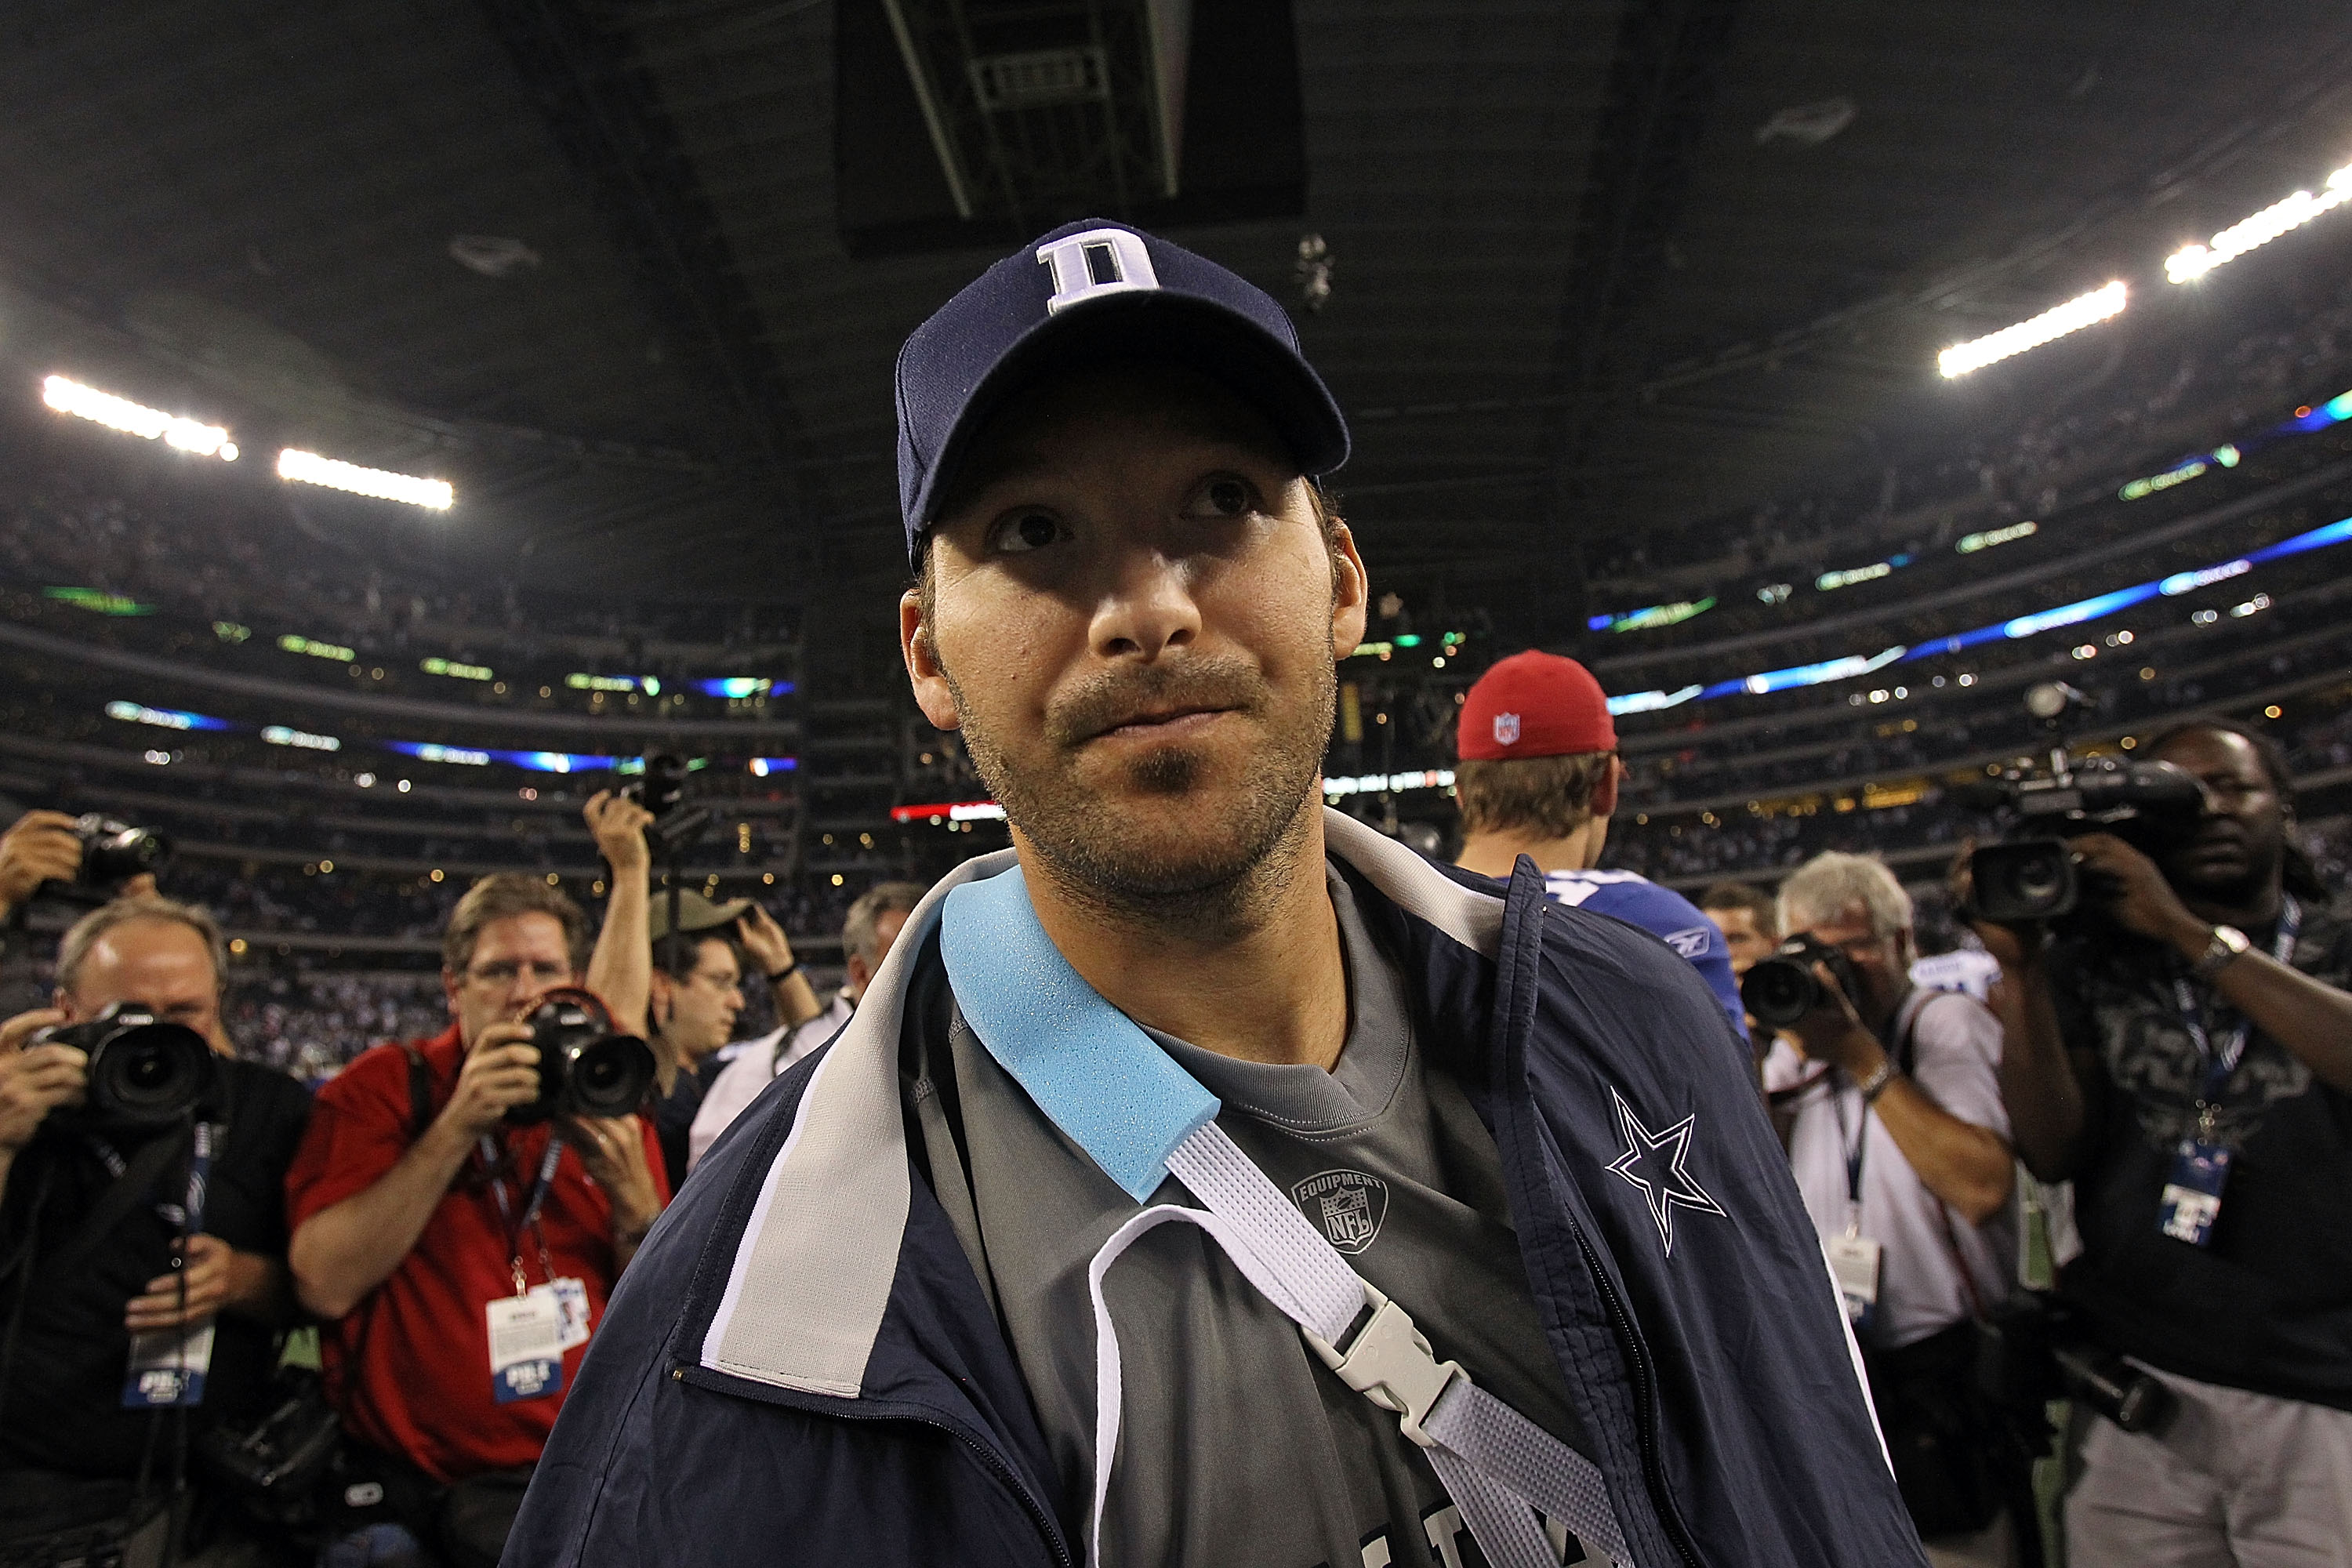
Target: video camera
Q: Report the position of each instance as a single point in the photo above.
(661, 789)
(586, 1067)
(143, 1073)
(1783, 988)
(2031, 874)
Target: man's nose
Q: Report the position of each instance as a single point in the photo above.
(1147, 607)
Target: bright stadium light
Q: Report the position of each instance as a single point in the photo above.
(2055, 322)
(2193, 261)
(67, 396)
(313, 470)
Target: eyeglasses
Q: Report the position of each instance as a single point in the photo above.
(506, 970)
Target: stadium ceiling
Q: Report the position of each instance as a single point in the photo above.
(1593, 267)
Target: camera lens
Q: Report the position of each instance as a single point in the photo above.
(609, 1077)
(2039, 877)
(148, 1075)
(1780, 991)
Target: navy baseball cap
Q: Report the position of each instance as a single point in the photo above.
(1090, 292)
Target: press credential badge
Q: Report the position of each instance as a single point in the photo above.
(526, 1346)
(168, 1367)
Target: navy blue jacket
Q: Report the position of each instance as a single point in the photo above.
(800, 1367)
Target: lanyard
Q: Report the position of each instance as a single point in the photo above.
(2222, 1060)
(530, 1218)
(1908, 1010)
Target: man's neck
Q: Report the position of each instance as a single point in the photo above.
(1494, 854)
(1269, 984)
(2260, 908)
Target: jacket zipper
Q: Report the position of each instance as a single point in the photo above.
(1653, 1470)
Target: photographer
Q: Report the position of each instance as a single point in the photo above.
(2183, 1053)
(424, 1216)
(874, 923)
(689, 991)
(1900, 1149)
(100, 1240)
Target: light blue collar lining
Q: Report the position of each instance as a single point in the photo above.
(1095, 1075)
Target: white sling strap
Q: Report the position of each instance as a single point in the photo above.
(1142, 1117)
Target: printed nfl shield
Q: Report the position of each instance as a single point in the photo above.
(1506, 728)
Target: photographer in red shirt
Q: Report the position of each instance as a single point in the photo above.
(460, 1269)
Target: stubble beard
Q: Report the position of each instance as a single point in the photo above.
(1159, 854)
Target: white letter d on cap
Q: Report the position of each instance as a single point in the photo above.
(1100, 261)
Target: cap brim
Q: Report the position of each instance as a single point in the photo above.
(1162, 325)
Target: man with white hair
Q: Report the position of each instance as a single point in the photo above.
(1900, 1146)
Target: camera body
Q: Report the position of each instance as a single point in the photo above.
(661, 790)
(112, 852)
(2031, 874)
(586, 1066)
(1783, 988)
(145, 1072)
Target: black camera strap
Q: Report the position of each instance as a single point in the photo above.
(134, 1179)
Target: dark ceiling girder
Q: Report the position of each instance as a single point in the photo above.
(1661, 88)
(607, 114)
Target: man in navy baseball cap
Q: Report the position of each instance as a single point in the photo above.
(1207, 1179)
(1093, 292)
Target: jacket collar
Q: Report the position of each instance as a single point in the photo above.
(809, 1276)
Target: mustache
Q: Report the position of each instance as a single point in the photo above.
(1112, 697)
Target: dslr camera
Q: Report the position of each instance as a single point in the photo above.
(1783, 988)
(145, 1072)
(586, 1067)
(112, 854)
(661, 789)
(2031, 874)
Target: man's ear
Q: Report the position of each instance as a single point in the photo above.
(1351, 592)
(1604, 791)
(933, 695)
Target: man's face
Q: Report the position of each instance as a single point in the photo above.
(160, 962)
(1746, 944)
(699, 1011)
(517, 960)
(2235, 851)
(1133, 619)
(887, 927)
(1880, 962)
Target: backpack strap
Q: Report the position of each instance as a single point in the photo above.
(420, 1091)
(124, 1194)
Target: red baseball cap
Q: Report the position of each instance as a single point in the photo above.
(1535, 704)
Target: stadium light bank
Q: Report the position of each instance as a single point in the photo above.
(2192, 262)
(2087, 309)
(309, 469)
(69, 396)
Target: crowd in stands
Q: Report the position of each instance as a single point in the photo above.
(2162, 393)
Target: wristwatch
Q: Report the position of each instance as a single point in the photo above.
(2227, 942)
(1876, 1084)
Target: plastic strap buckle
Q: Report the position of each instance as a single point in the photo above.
(1390, 1362)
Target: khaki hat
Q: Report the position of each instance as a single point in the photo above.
(695, 912)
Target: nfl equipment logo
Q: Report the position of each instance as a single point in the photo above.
(1346, 1206)
(1506, 728)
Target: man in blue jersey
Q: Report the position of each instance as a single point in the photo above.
(1538, 777)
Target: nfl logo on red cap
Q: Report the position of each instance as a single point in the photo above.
(1535, 704)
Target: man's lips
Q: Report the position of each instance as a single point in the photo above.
(1161, 723)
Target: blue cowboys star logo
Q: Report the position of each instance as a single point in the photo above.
(1653, 1162)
